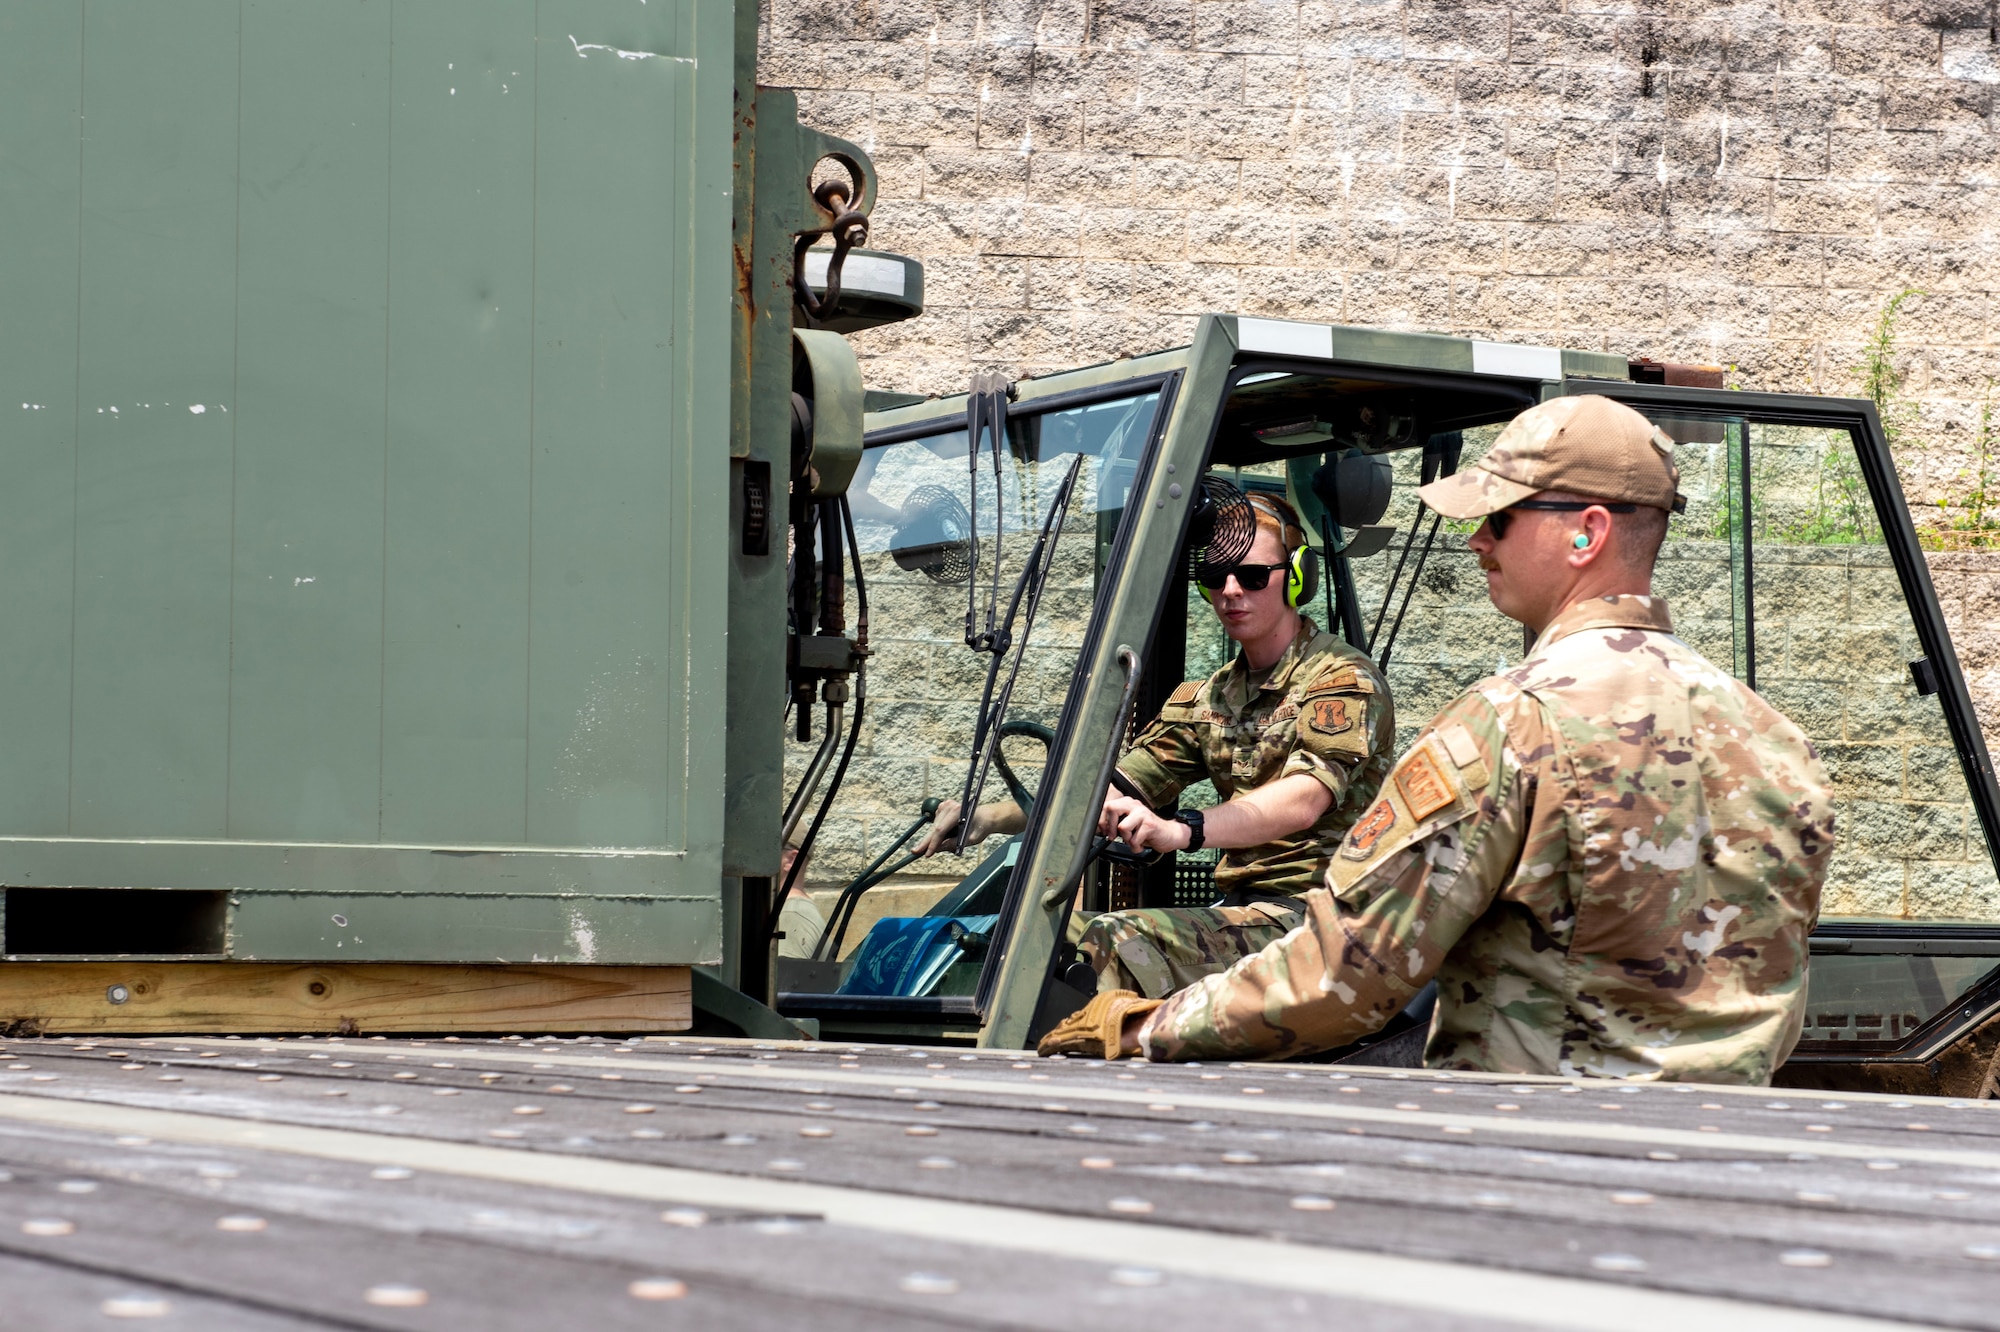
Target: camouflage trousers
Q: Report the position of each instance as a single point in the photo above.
(1158, 950)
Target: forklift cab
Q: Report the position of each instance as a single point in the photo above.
(1796, 567)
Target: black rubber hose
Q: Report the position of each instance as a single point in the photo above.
(859, 702)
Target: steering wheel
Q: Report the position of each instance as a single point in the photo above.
(1034, 731)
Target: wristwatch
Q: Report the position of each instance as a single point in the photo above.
(1197, 835)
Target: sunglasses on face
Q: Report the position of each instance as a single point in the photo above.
(1250, 577)
(1498, 521)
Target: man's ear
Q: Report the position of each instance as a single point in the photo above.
(1591, 538)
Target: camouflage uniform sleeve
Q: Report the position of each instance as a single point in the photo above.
(1166, 756)
(1341, 715)
(1412, 876)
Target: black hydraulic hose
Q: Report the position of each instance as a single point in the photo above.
(860, 580)
(860, 706)
(843, 910)
(832, 578)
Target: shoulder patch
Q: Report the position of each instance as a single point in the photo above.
(1185, 694)
(1458, 743)
(1422, 783)
(1330, 716)
(1342, 680)
(1368, 830)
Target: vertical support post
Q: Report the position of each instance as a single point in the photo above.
(1742, 592)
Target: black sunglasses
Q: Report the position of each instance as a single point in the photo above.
(1498, 521)
(1250, 577)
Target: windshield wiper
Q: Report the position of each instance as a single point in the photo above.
(1027, 597)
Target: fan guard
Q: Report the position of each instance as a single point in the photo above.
(934, 536)
(1223, 527)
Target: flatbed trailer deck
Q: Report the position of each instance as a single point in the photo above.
(527, 1183)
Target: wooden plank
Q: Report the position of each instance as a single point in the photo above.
(62, 998)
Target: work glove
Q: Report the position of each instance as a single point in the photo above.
(1097, 1029)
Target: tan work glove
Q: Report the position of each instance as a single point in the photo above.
(1098, 1028)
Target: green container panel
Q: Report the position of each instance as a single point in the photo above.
(365, 459)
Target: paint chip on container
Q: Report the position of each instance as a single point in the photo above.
(639, 1108)
(391, 1172)
(47, 1225)
(1312, 1202)
(1805, 1258)
(688, 1217)
(135, 1306)
(1130, 1206)
(929, 1283)
(397, 1297)
(241, 1225)
(1136, 1276)
(1618, 1262)
(657, 1288)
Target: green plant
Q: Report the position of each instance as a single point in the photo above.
(1880, 379)
(1980, 527)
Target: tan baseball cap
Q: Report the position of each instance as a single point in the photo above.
(1587, 445)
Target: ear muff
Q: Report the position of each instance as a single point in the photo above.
(1302, 582)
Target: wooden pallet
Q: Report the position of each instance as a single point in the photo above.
(68, 998)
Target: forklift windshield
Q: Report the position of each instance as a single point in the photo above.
(932, 526)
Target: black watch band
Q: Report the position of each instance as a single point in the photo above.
(1197, 834)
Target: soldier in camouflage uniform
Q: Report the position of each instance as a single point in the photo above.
(1609, 857)
(1296, 734)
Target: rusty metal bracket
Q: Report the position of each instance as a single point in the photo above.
(849, 229)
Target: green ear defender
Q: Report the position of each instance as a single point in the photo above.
(1582, 541)
(1302, 580)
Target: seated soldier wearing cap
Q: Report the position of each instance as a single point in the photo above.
(1296, 734)
(1609, 857)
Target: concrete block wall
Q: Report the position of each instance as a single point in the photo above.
(1739, 183)
(1742, 183)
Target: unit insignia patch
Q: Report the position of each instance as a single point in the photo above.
(1423, 784)
(1368, 830)
(1330, 716)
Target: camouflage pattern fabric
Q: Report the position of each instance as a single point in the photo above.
(1609, 857)
(1323, 710)
(1155, 951)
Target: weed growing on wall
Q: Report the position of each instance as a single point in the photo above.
(1975, 524)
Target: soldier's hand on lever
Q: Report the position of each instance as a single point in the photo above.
(1001, 816)
(1135, 824)
(1277, 810)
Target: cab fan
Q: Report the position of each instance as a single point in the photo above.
(934, 536)
(1222, 529)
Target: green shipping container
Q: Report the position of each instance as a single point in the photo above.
(367, 410)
